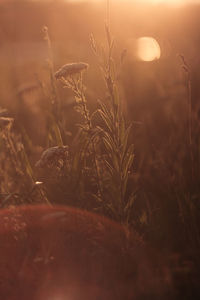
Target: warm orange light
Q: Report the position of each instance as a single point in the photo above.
(79, 1)
(148, 49)
(171, 2)
(167, 2)
(175, 2)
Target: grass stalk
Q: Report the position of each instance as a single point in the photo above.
(75, 83)
(186, 69)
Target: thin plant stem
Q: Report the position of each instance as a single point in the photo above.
(189, 96)
(108, 13)
(190, 123)
(55, 102)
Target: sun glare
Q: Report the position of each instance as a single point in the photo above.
(148, 49)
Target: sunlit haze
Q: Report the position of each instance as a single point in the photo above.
(99, 149)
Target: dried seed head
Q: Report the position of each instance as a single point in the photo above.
(3, 112)
(52, 155)
(6, 122)
(70, 69)
(185, 65)
(27, 88)
(45, 29)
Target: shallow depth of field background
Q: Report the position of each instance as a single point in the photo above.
(154, 94)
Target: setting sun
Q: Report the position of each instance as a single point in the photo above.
(148, 49)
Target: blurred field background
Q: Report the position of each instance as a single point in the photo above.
(156, 95)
